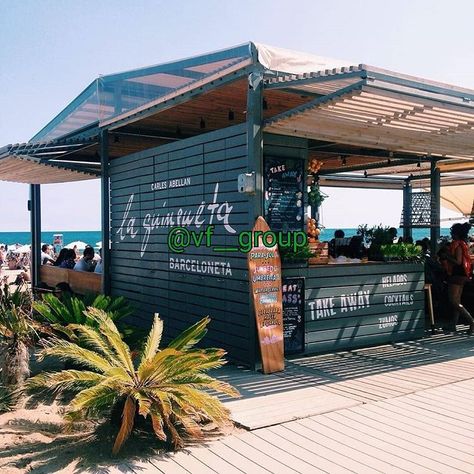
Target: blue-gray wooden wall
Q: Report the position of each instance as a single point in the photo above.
(360, 305)
(183, 296)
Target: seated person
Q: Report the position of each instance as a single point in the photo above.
(333, 247)
(23, 277)
(356, 248)
(61, 257)
(46, 258)
(98, 267)
(3, 255)
(86, 263)
(66, 259)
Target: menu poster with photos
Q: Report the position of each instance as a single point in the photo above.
(284, 191)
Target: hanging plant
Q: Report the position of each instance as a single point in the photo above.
(315, 196)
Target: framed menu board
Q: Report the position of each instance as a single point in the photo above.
(284, 190)
(293, 315)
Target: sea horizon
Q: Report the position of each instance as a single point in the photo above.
(92, 237)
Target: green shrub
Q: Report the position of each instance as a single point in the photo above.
(168, 386)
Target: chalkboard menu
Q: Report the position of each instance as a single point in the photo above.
(284, 185)
(293, 315)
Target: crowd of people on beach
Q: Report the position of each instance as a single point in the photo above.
(17, 257)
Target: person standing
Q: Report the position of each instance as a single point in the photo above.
(458, 266)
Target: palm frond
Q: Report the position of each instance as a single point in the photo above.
(109, 330)
(192, 428)
(153, 339)
(96, 397)
(156, 368)
(6, 399)
(128, 416)
(144, 403)
(206, 381)
(157, 423)
(191, 336)
(93, 339)
(64, 380)
(66, 350)
(202, 402)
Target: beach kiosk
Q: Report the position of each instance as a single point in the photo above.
(211, 143)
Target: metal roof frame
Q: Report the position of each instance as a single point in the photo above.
(121, 86)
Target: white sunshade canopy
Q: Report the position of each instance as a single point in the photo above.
(78, 244)
(459, 198)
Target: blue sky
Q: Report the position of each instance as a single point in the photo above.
(51, 50)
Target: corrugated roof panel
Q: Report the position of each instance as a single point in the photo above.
(20, 169)
(389, 120)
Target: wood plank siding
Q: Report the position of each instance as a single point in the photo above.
(192, 182)
(350, 306)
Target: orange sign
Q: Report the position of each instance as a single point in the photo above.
(265, 283)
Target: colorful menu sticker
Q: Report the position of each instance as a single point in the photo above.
(265, 282)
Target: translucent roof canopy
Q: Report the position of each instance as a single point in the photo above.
(115, 94)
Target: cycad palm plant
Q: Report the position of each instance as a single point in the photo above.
(68, 310)
(17, 334)
(71, 309)
(169, 386)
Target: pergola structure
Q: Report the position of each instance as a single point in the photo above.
(372, 128)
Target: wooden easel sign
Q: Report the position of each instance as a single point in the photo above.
(265, 283)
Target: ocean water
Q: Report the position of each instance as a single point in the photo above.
(418, 234)
(91, 237)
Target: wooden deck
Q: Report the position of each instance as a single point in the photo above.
(320, 384)
(406, 408)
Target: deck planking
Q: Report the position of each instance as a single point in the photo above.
(387, 416)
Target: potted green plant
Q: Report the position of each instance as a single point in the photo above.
(298, 258)
(402, 252)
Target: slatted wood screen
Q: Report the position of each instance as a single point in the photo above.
(349, 306)
(173, 284)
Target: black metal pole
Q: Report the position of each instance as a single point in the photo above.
(435, 206)
(35, 224)
(105, 208)
(407, 210)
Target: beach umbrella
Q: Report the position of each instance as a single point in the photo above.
(23, 249)
(78, 244)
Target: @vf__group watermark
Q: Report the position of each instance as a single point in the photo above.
(181, 238)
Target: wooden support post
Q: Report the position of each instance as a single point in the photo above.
(407, 210)
(35, 226)
(105, 207)
(255, 163)
(435, 206)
